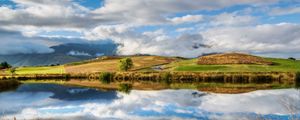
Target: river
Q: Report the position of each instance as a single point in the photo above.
(51, 101)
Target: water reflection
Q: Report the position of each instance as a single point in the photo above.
(68, 93)
(48, 101)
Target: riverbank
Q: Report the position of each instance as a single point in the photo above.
(227, 88)
(8, 84)
(218, 82)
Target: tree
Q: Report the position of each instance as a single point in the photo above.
(125, 87)
(4, 65)
(291, 58)
(12, 71)
(125, 64)
(105, 77)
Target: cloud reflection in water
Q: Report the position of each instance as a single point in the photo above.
(60, 102)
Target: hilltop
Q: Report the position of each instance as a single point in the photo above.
(232, 58)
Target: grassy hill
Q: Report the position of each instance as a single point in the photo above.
(232, 58)
(111, 64)
(280, 65)
(146, 63)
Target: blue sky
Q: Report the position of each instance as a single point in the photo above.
(160, 27)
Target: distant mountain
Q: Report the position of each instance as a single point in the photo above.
(62, 54)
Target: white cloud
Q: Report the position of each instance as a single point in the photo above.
(117, 19)
(269, 38)
(14, 42)
(285, 11)
(232, 19)
(78, 53)
(187, 19)
(68, 14)
(155, 42)
(185, 29)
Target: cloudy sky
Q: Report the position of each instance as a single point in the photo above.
(185, 28)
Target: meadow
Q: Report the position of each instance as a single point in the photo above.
(170, 64)
(281, 65)
(40, 70)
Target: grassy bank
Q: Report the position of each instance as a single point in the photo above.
(280, 65)
(8, 84)
(40, 70)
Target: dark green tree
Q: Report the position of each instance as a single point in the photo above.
(125, 64)
(105, 77)
(166, 78)
(4, 65)
(291, 58)
(125, 87)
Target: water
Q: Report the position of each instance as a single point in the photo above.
(50, 101)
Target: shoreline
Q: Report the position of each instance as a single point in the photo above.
(216, 82)
(205, 87)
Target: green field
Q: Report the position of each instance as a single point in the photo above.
(281, 65)
(41, 70)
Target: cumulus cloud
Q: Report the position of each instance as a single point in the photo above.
(65, 13)
(118, 19)
(185, 29)
(268, 38)
(151, 42)
(285, 11)
(232, 19)
(187, 19)
(46, 13)
(13, 42)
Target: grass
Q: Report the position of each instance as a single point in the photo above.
(40, 70)
(45, 81)
(144, 63)
(111, 65)
(281, 65)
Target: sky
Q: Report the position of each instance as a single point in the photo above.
(187, 28)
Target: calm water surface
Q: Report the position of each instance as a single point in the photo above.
(50, 101)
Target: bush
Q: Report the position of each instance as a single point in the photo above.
(291, 58)
(166, 78)
(12, 71)
(125, 64)
(297, 80)
(105, 77)
(125, 87)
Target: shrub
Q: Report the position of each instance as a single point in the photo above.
(166, 78)
(291, 58)
(125, 64)
(105, 77)
(297, 80)
(125, 87)
(12, 71)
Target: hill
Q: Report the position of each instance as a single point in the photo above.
(110, 64)
(232, 58)
(160, 63)
(279, 65)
